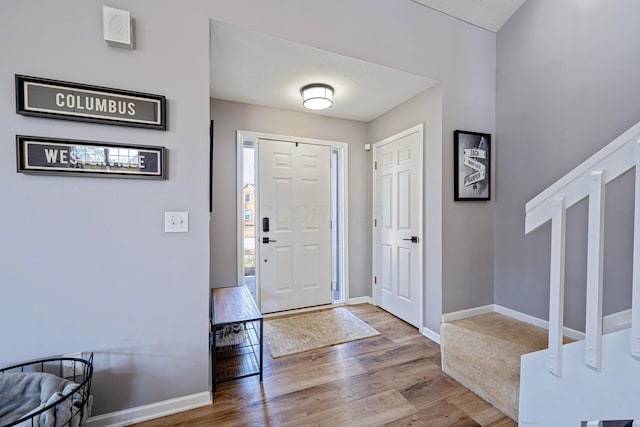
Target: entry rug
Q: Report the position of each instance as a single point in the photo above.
(295, 334)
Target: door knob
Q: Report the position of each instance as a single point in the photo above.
(413, 239)
(267, 240)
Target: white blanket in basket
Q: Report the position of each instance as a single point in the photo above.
(24, 393)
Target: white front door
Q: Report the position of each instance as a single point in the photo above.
(294, 188)
(397, 245)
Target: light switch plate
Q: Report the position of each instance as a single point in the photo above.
(71, 368)
(176, 222)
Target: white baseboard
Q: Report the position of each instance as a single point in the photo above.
(567, 332)
(463, 314)
(616, 321)
(360, 300)
(432, 335)
(611, 323)
(152, 411)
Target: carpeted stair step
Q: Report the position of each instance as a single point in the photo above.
(483, 354)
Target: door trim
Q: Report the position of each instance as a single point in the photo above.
(343, 148)
(419, 129)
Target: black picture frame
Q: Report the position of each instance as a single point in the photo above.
(39, 155)
(47, 98)
(471, 166)
(210, 166)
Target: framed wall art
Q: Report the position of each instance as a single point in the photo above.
(471, 166)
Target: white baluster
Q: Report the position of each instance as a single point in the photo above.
(593, 331)
(635, 299)
(556, 295)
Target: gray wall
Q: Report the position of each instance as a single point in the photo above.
(409, 37)
(85, 264)
(567, 85)
(424, 108)
(232, 116)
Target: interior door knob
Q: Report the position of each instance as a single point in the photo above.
(413, 239)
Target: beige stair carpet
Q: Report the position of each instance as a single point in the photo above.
(483, 354)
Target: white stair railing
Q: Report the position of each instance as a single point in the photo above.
(588, 180)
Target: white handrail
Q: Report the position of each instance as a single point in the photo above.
(588, 180)
(617, 158)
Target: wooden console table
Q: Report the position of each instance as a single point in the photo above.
(235, 335)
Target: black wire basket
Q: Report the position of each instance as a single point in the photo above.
(76, 401)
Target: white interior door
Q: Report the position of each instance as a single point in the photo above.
(294, 188)
(397, 233)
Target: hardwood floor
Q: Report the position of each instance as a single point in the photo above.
(393, 379)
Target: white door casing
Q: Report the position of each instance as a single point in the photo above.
(294, 188)
(398, 222)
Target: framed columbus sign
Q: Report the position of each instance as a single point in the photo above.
(74, 101)
(54, 156)
(471, 165)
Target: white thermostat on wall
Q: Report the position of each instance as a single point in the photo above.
(116, 27)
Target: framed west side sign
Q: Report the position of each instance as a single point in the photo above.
(56, 99)
(55, 156)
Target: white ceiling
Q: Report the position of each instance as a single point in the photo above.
(255, 68)
(488, 14)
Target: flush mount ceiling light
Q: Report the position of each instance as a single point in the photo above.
(317, 96)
